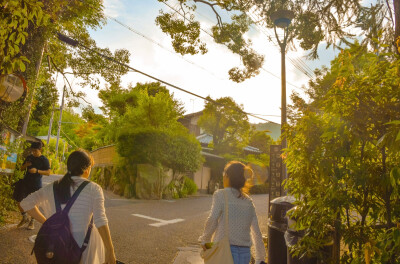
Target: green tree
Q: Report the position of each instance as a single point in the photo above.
(342, 171)
(30, 29)
(16, 19)
(315, 22)
(149, 132)
(116, 100)
(261, 140)
(160, 147)
(43, 104)
(228, 124)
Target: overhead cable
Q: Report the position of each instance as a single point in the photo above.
(208, 33)
(75, 43)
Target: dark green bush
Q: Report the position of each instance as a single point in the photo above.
(189, 186)
(259, 189)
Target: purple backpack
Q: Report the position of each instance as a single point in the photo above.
(54, 242)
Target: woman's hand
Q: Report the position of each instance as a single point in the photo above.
(110, 257)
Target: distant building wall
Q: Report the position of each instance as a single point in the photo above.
(202, 177)
(104, 156)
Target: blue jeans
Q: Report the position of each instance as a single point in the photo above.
(241, 255)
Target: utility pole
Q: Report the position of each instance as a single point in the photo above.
(50, 126)
(59, 121)
(282, 19)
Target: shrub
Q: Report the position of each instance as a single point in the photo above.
(129, 191)
(189, 185)
(260, 189)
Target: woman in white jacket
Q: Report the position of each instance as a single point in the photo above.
(90, 202)
(244, 230)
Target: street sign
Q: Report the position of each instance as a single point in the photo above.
(275, 175)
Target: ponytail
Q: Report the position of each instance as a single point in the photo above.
(78, 162)
(63, 188)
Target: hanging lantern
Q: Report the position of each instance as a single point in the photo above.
(12, 87)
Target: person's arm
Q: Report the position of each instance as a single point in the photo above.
(212, 220)
(101, 222)
(37, 215)
(109, 248)
(257, 240)
(41, 172)
(44, 172)
(25, 165)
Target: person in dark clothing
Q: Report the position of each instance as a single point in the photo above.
(36, 165)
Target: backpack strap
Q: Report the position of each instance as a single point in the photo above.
(72, 200)
(87, 237)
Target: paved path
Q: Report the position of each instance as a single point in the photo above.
(142, 231)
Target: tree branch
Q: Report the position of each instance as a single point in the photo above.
(219, 19)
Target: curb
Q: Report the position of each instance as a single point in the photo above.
(188, 255)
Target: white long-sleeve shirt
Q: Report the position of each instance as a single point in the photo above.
(89, 202)
(243, 224)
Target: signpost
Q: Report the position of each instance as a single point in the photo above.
(275, 173)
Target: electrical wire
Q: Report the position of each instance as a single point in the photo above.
(302, 67)
(162, 46)
(208, 33)
(75, 43)
(73, 143)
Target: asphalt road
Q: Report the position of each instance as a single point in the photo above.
(142, 231)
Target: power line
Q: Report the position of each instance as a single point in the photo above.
(208, 33)
(75, 43)
(161, 46)
(73, 143)
(302, 67)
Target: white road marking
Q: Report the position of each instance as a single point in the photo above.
(169, 201)
(161, 222)
(32, 238)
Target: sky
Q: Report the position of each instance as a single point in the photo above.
(209, 77)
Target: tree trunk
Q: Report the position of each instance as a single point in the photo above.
(337, 238)
(396, 5)
(33, 50)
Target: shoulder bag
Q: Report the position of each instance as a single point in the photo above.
(220, 252)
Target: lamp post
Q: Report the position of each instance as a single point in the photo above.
(282, 19)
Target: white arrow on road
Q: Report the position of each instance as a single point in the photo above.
(161, 222)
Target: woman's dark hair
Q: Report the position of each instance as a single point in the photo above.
(236, 173)
(78, 162)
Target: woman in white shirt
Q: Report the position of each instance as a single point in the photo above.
(244, 230)
(90, 202)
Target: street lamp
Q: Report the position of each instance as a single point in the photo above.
(282, 19)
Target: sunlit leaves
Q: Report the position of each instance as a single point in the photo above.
(15, 17)
(184, 33)
(228, 125)
(342, 156)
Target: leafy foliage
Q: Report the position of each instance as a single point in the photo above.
(16, 19)
(315, 22)
(28, 34)
(228, 125)
(342, 170)
(261, 140)
(149, 131)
